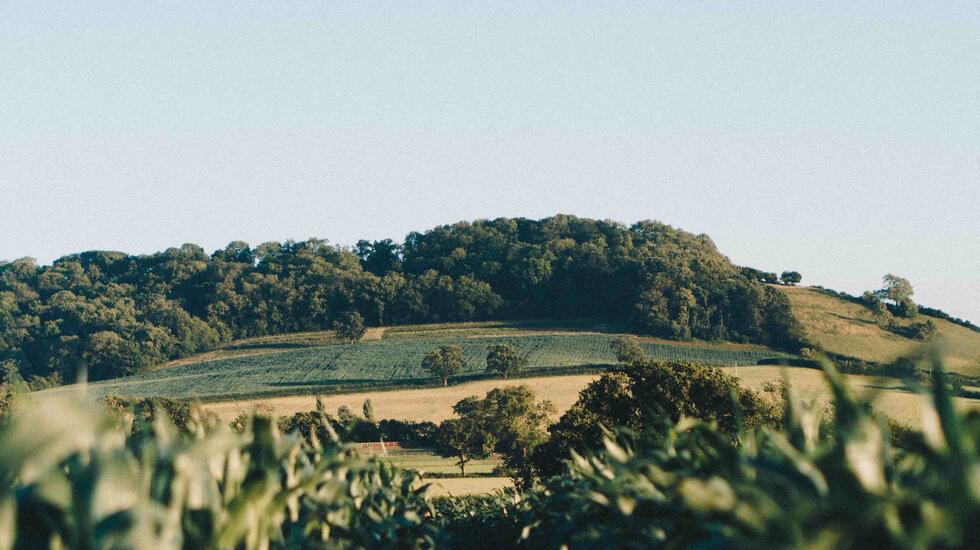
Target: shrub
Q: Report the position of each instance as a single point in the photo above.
(143, 413)
(409, 434)
(7, 395)
(922, 331)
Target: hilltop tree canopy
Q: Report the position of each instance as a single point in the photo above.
(899, 290)
(111, 314)
(791, 277)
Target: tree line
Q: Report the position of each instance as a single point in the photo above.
(111, 314)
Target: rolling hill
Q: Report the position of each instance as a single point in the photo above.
(389, 358)
(847, 328)
(285, 371)
(312, 364)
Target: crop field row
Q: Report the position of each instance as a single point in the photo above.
(367, 365)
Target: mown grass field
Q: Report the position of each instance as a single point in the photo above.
(462, 486)
(428, 462)
(284, 367)
(435, 404)
(847, 328)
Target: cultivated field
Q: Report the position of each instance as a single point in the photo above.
(292, 368)
(847, 328)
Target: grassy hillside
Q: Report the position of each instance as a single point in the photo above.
(848, 328)
(284, 367)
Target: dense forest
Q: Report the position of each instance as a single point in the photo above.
(114, 313)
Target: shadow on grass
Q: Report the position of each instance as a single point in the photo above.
(368, 383)
(965, 394)
(853, 319)
(271, 345)
(354, 382)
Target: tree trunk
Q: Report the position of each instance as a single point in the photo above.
(462, 467)
(445, 381)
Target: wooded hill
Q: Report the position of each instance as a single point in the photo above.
(115, 314)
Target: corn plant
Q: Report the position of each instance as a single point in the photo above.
(68, 479)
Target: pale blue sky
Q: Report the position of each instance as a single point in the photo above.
(838, 139)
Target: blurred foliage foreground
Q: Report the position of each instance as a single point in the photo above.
(72, 477)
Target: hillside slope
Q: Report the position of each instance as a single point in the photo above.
(310, 364)
(847, 328)
(124, 313)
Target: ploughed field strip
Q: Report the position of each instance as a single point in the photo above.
(391, 364)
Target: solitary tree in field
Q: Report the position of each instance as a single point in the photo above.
(443, 362)
(503, 358)
(627, 350)
(463, 439)
(791, 277)
(349, 327)
(368, 409)
(508, 421)
(517, 422)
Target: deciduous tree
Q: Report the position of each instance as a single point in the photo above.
(443, 362)
(463, 439)
(627, 350)
(791, 277)
(504, 359)
(350, 327)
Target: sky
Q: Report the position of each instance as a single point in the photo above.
(838, 139)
